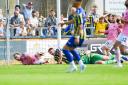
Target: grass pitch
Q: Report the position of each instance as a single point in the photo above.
(56, 75)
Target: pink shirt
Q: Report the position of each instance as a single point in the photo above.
(125, 18)
(28, 59)
(113, 31)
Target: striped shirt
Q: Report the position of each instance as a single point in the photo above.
(57, 56)
(78, 20)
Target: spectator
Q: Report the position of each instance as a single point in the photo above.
(100, 26)
(15, 22)
(18, 8)
(27, 10)
(30, 59)
(94, 13)
(41, 25)
(38, 29)
(1, 28)
(49, 31)
(51, 19)
(33, 24)
(37, 14)
(93, 17)
(41, 21)
(21, 31)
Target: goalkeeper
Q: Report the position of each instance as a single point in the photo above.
(94, 58)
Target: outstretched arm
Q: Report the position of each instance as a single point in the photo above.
(68, 22)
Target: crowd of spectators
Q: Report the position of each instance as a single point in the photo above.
(96, 24)
(26, 21)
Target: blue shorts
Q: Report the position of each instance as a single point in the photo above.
(71, 42)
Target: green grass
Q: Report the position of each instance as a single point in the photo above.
(56, 75)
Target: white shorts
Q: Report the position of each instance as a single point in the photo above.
(123, 39)
(109, 44)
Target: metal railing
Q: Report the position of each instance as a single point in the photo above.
(43, 34)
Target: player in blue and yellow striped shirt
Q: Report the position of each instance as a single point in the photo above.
(76, 40)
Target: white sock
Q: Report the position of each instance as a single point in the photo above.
(81, 62)
(72, 64)
(118, 55)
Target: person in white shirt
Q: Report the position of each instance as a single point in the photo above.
(33, 22)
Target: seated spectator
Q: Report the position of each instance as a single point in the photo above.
(30, 59)
(27, 10)
(22, 30)
(41, 21)
(41, 25)
(33, 23)
(100, 26)
(51, 19)
(38, 29)
(15, 22)
(49, 31)
(1, 28)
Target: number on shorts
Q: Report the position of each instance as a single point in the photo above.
(124, 39)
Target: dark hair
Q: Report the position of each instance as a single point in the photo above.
(14, 55)
(17, 6)
(126, 3)
(33, 11)
(50, 49)
(118, 20)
